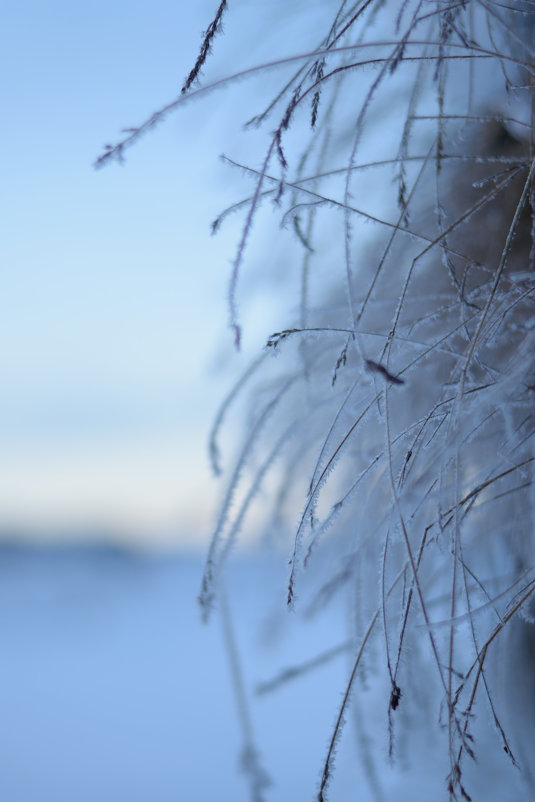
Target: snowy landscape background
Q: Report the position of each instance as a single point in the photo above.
(117, 352)
(112, 689)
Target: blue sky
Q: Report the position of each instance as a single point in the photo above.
(115, 347)
(113, 294)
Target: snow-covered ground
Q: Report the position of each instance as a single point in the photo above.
(112, 689)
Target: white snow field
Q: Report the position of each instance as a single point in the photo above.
(112, 689)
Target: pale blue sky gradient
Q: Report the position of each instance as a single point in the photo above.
(115, 346)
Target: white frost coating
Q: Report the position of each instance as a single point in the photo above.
(418, 454)
(404, 143)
